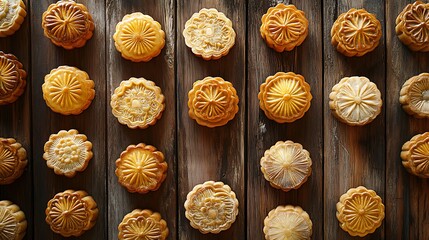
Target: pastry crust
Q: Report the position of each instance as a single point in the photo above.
(285, 97)
(355, 101)
(412, 26)
(209, 34)
(288, 222)
(12, 14)
(415, 155)
(71, 213)
(213, 102)
(143, 224)
(12, 221)
(68, 24)
(211, 207)
(12, 78)
(137, 103)
(414, 96)
(284, 27)
(356, 33)
(13, 160)
(141, 168)
(360, 211)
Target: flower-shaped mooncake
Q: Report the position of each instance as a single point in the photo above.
(141, 168)
(360, 211)
(287, 222)
(356, 32)
(209, 34)
(286, 165)
(415, 155)
(12, 14)
(68, 24)
(13, 159)
(355, 101)
(285, 97)
(212, 102)
(138, 37)
(144, 225)
(137, 102)
(412, 26)
(12, 221)
(71, 213)
(67, 152)
(284, 27)
(414, 96)
(211, 207)
(12, 78)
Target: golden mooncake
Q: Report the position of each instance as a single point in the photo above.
(412, 26)
(209, 34)
(141, 168)
(286, 165)
(67, 152)
(355, 101)
(13, 159)
(12, 14)
(360, 211)
(12, 78)
(285, 97)
(414, 96)
(143, 225)
(68, 24)
(356, 33)
(13, 224)
(288, 223)
(415, 155)
(71, 213)
(137, 103)
(284, 27)
(68, 90)
(211, 207)
(212, 102)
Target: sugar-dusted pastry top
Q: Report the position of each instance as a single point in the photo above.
(284, 27)
(144, 225)
(12, 78)
(71, 213)
(13, 224)
(412, 26)
(414, 96)
(209, 34)
(212, 102)
(13, 159)
(356, 32)
(12, 14)
(211, 207)
(415, 155)
(141, 168)
(360, 211)
(288, 223)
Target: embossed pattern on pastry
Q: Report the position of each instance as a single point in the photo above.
(211, 207)
(285, 97)
(355, 101)
(284, 27)
(141, 168)
(288, 223)
(13, 224)
(68, 90)
(356, 33)
(412, 26)
(71, 213)
(13, 159)
(139, 37)
(137, 103)
(12, 14)
(209, 34)
(286, 165)
(414, 96)
(143, 225)
(67, 152)
(212, 102)
(68, 24)
(12, 78)
(415, 155)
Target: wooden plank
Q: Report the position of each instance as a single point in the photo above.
(211, 153)
(162, 135)
(91, 58)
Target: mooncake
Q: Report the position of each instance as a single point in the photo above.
(12, 14)
(12, 78)
(414, 96)
(13, 159)
(143, 225)
(13, 224)
(415, 155)
(412, 26)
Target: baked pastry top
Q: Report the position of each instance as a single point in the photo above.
(212, 102)
(13, 224)
(139, 37)
(412, 26)
(12, 14)
(144, 225)
(415, 155)
(209, 34)
(12, 78)
(414, 96)
(284, 27)
(13, 159)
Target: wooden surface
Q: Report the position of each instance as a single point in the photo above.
(343, 157)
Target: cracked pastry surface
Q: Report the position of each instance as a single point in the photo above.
(12, 14)
(415, 155)
(12, 78)
(143, 225)
(13, 160)
(13, 224)
(412, 26)
(414, 96)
